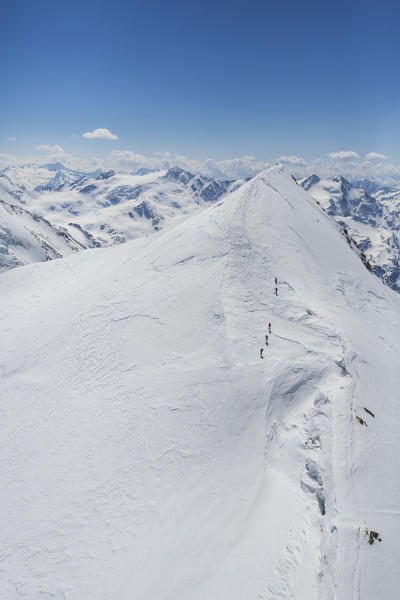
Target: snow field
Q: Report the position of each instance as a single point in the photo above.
(148, 451)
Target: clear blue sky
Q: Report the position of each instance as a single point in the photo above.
(201, 78)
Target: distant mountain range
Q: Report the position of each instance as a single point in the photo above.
(49, 211)
(370, 214)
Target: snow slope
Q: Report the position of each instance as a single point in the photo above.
(148, 452)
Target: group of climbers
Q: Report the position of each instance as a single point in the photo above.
(269, 324)
(266, 341)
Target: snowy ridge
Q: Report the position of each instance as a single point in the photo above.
(149, 452)
(41, 177)
(27, 237)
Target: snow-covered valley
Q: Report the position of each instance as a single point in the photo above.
(149, 452)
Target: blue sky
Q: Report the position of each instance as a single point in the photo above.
(201, 79)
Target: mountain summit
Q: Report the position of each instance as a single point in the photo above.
(149, 448)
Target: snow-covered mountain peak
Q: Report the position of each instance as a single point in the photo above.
(374, 187)
(178, 174)
(150, 449)
(307, 182)
(37, 176)
(109, 207)
(56, 166)
(106, 174)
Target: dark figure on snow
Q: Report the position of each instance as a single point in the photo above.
(276, 281)
(276, 291)
(261, 352)
(266, 339)
(269, 327)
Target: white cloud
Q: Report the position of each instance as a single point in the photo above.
(100, 134)
(353, 168)
(232, 168)
(375, 156)
(240, 167)
(292, 160)
(8, 160)
(11, 139)
(56, 149)
(344, 155)
(229, 168)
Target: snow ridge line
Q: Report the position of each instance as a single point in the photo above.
(328, 411)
